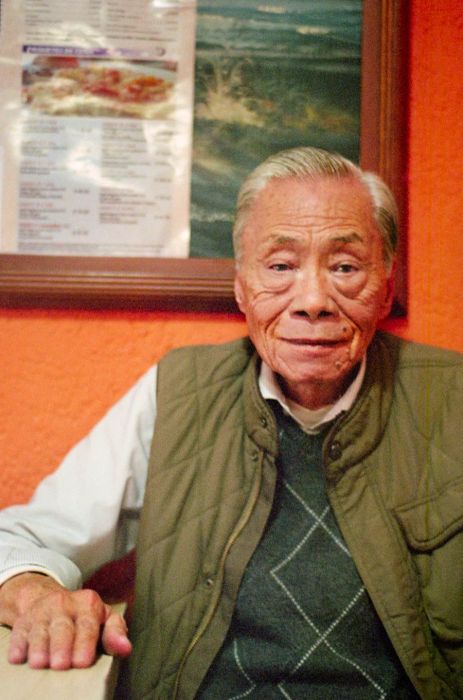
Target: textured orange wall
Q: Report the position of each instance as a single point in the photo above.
(61, 370)
(435, 174)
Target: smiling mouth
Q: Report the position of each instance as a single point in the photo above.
(314, 342)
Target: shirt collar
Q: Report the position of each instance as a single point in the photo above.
(309, 420)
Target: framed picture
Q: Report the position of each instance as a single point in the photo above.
(345, 90)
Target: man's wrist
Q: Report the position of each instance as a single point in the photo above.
(14, 571)
(19, 592)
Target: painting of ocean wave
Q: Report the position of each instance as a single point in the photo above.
(268, 75)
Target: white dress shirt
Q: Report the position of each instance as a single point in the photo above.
(86, 513)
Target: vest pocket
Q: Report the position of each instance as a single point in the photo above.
(433, 530)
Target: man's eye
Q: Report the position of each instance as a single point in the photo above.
(345, 268)
(279, 267)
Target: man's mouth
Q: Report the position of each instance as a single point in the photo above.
(315, 342)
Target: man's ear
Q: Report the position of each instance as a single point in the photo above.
(239, 292)
(389, 292)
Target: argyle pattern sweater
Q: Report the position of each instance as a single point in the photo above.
(304, 626)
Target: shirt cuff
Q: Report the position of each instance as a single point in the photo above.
(15, 571)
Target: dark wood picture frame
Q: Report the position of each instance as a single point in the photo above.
(207, 283)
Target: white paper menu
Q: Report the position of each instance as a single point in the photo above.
(96, 115)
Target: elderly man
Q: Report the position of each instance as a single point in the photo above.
(301, 531)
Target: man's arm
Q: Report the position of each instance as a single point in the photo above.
(57, 628)
(73, 525)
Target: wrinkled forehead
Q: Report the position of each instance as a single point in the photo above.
(298, 207)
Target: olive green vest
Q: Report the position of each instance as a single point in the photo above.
(392, 465)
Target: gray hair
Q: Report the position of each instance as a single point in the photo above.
(308, 162)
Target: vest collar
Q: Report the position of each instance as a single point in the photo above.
(259, 419)
(358, 432)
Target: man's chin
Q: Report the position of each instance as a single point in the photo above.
(319, 365)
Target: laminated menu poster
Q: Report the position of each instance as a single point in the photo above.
(96, 118)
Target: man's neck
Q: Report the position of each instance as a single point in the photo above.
(310, 420)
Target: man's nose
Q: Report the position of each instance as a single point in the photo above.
(312, 295)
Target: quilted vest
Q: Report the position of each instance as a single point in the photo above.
(210, 489)
(215, 466)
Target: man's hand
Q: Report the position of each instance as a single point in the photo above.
(53, 627)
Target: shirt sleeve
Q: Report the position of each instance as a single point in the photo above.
(86, 513)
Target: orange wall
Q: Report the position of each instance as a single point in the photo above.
(61, 370)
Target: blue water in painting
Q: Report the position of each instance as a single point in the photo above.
(268, 75)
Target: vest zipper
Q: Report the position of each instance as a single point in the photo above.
(249, 507)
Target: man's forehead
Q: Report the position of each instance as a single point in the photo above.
(300, 236)
(307, 198)
(296, 207)
(352, 237)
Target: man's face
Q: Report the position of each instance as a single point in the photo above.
(312, 283)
